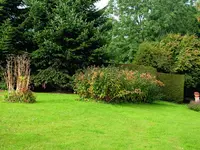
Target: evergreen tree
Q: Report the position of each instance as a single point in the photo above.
(10, 9)
(68, 35)
(12, 16)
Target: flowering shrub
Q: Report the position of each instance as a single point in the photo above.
(113, 84)
(20, 96)
(194, 106)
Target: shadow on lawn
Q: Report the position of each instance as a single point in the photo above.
(156, 104)
(51, 101)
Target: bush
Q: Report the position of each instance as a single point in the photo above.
(194, 105)
(3, 85)
(21, 97)
(139, 68)
(174, 86)
(150, 54)
(173, 54)
(114, 84)
(52, 78)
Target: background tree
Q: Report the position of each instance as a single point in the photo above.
(173, 54)
(12, 39)
(148, 20)
(12, 16)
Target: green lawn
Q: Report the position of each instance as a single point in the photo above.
(58, 121)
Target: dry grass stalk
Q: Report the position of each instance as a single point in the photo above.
(18, 73)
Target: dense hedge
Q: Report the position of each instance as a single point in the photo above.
(115, 84)
(174, 86)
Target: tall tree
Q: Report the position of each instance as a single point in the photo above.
(68, 35)
(10, 9)
(12, 16)
(148, 20)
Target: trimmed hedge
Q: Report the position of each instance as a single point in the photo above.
(174, 86)
(173, 90)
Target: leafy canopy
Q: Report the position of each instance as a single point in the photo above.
(173, 54)
(148, 20)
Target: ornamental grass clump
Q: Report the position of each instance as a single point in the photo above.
(113, 84)
(17, 78)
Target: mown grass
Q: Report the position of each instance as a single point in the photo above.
(58, 121)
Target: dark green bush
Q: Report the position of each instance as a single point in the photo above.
(114, 84)
(21, 97)
(52, 78)
(3, 85)
(194, 105)
(174, 86)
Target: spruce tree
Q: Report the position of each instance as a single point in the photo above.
(12, 16)
(69, 35)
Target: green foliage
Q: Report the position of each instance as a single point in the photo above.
(20, 97)
(113, 84)
(139, 68)
(6, 35)
(174, 86)
(194, 106)
(3, 85)
(147, 20)
(6, 40)
(9, 9)
(173, 54)
(68, 35)
(51, 77)
(150, 55)
(13, 39)
(64, 35)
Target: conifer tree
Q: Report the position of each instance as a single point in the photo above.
(69, 34)
(12, 16)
